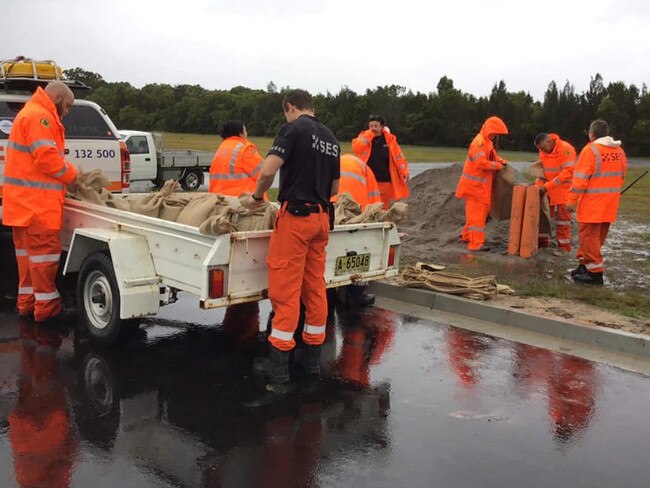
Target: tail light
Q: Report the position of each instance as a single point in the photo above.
(216, 283)
(391, 256)
(126, 166)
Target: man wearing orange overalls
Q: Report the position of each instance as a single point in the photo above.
(475, 184)
(596, 192)
(36, 173)
(308, 157)
(558, 158)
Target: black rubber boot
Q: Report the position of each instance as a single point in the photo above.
(274, 369)
(581, 269)
(358, 296)
(63, 322)
(309, 358)
(589, 278)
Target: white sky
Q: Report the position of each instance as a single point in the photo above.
(324, 45)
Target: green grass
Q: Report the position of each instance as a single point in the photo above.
(636, 201)
(413, 154)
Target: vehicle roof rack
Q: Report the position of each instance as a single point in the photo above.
(23, 74)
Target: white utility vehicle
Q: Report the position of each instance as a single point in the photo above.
(150, 162)
(92, 140)
(129, 265)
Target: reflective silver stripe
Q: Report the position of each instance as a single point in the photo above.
(21, 252)
(474, 178)
(282, 335)
(564, 241)
(258, 168)
(17, 147)
(374, 194)
(58, 174)
(594, 265)
(582, 176)
(42, 142)
(603, 190)
(314, 329)
(563, 222)
(611, 173)
(476, 229)
(399, 157)
(365, 140)
(355, 176)
(45, 258)
(597, 153)
(222, 176)
(25, 290)
(568, 164)
(32, 184)
(575, 190)
(233, 158)
(476, 156)
(494, 165)
(552, 170)
(46, 296)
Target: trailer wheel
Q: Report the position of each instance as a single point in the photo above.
(192, 179)
(98, 297)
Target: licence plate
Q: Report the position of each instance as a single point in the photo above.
(352, 264)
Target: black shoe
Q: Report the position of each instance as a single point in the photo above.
(482, 249)
(274, 369)
(26, 317)
(581, 269)
(309, 358)
(589, 278)
(358, 296)
(65, 318)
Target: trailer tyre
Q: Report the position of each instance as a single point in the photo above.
(98, 297)
(192, 180)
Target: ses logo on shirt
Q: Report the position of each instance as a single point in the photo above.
(324, 146)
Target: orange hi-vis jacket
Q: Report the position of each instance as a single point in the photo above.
(35, 170)
(597, 181)
(235, 167)
(558, 170)
(358, 180)
(481, 163)
(398, 166)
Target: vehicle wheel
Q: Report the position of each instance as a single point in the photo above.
(192, 180)
(98, 299)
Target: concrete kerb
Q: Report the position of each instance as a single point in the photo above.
(601, 337)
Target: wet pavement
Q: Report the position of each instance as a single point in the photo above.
(403, 402)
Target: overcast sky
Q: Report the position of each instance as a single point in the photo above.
(324, 45)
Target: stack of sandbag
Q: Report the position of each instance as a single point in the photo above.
(502, 184)
(433, 277)
(152, 204)
(347, 211)
(93, 187)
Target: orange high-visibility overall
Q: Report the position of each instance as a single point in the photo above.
(596, 187)
(235, 167)
(397, 188)
(475, 184)
(558, 171)
(358, 180)
(34, 188)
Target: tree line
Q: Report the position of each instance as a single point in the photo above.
(444, 117)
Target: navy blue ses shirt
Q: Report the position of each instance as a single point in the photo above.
(312, 161)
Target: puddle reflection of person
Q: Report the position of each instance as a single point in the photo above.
(571, 397)
(241, 322)
(464, 348)
(533, 368)
(366, 338)
(42, 440)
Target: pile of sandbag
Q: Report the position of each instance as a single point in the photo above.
(433, 277)
(347, 211)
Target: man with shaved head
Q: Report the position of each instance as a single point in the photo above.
(36, 173)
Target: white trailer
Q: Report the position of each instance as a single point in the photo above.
(129, 265)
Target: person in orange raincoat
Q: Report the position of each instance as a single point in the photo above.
(558, 158)
(378, 148)
(35, 175)
(475, 184)
(596, 192)
(236, 163)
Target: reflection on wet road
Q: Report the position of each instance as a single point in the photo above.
(403, 402)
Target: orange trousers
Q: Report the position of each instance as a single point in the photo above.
(591, 238)
(296, 264)
(38, 251)
(476, 213)
(386, 192)
(562, 218)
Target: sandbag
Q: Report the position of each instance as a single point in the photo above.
(91, 187)
(545, 215)
(151, 204)
(199, 209)
(345, 208)
(173, 205)
(536, 169)
(502, 185)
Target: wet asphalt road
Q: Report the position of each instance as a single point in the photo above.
(403, 402)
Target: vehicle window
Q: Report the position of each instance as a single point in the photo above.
(137, 145)
(8, 111)
(86, 123)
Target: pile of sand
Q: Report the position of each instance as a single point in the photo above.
(436, 217)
